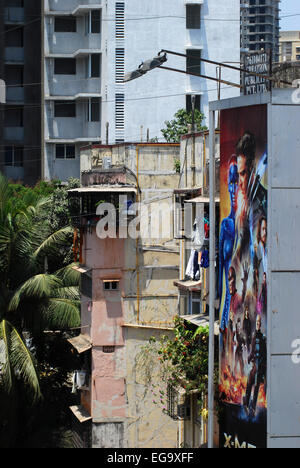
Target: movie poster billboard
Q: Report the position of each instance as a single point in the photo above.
(243, 277)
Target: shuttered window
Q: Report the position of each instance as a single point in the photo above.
(120, 20)
(120, 64)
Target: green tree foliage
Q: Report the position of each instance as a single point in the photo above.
(179, 125)
(38, 289)
(182, 357)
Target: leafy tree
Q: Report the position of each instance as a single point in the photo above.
(35, 294)
(179, 125)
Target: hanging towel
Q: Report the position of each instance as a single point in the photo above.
(196, 273)
(205, 259)
(190, 266)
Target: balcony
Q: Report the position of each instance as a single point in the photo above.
(84, 201)
(72, 44)
(69, 6)
(66, 85)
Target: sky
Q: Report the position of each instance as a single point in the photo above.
(290, 7)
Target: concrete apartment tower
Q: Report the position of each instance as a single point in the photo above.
(260, 26)
(20, 67)
(289, 46)
(88, 48)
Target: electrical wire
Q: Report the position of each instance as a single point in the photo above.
(141, 18)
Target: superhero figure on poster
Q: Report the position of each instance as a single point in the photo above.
(235, 308)
(244, 256)
(257, 375)
(240, 343)
(227, 237)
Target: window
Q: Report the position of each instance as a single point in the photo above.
(65, 151)
(178, 410)
(172, 402)
(193, 16)
(14, 75)
(120, 64)
(193, 63)
(119, 114)
(65, 66)
(14, 156)
(111, 285)
(120, 20)
(195, 303)
(14, 3)
(66, 24)
(64, 109)
(93, 66)
(93, 110)
(93, 22)
(189, 102)
(13, 117)
(108, 349)
(14, 36)
(96, 21)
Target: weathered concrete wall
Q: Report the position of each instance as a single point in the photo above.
(146, 426)
(198, 146)
(108, 435)
(146, 300)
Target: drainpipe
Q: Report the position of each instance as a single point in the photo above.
(193, 145)
(137, 242)
(42, 90)
(211, 278)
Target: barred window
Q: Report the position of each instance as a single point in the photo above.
(172, 402)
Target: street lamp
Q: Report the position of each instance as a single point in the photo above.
(145, 67)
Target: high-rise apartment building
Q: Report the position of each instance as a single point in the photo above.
(20, 67)
(289, 46)
(89, 46)
(260, 26)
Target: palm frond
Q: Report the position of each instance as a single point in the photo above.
(6, 372)
(69, 275)
(18, 361)
(63, 313)
(54, 241)
(67, 292)
(38, 287)
(23, 363)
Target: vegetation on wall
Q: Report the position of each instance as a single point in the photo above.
(182, 359)
(180, 125)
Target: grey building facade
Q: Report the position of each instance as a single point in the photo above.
(260, 26)
(20, 67)
(89, 46)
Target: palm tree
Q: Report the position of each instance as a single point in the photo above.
(37, 292)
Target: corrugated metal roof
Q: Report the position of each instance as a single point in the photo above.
(80, 413)
(201, 321)
(104, 188)
(201, 199)
(188, 285)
